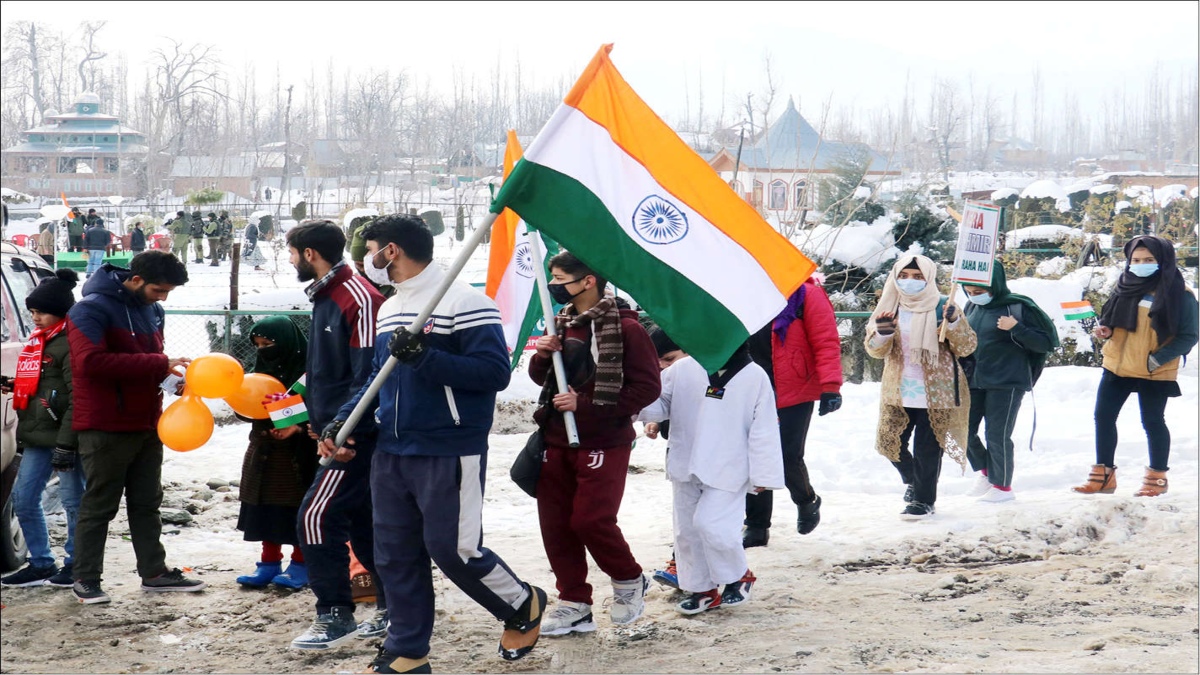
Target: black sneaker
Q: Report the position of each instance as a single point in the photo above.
(522, 629)
(172, 581)
(89, 592)
(755, 536)
(908, 494)
(810, 515)
(387, 662)
(916, 511)
(29, 576)
(63, 579)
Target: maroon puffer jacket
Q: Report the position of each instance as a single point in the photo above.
(117, 360)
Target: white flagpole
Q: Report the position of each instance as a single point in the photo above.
(417, 325)
(560, 371)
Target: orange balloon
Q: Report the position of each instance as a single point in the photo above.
(247, 402)
(214, 375)
(186, 424)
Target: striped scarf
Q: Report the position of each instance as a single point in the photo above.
(605, 318)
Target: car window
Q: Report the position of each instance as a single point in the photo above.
(10, 328)
(21, 285)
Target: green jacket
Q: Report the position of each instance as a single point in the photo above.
(75, 227)
(36, 424)
(212, 228)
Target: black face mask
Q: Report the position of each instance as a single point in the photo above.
(271, 352)
(559, 292)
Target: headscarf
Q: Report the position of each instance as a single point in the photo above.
(1166, 284)
(1034, 315)
(285, 360)
(923, 305)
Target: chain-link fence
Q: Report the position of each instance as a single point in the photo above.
(194, 332)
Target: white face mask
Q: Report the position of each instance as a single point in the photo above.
(910, 286)
(378, 275)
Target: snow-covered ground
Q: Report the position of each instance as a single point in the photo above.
(1052, 582)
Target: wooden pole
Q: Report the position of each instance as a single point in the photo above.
(235, 257)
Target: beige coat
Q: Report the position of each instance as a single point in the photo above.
(947, 417)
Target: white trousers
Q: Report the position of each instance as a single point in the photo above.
(708, 536)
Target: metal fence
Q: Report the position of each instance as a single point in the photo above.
(193, 332)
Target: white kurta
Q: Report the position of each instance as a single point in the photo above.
(730, 443)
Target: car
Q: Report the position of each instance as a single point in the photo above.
(20, 270)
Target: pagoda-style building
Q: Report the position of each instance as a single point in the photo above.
(80, 153)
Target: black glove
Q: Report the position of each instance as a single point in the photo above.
(63, 459)
(407, 346)
(331, 430)
(949, 312)
(885, 325)
(830, 402)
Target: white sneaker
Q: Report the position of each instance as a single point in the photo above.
(629, 599)
(995, 496)
(982, 485)
(568, 617)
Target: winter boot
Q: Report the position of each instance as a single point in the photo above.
(700, 602)
(264, 572)
(629, 599)
(569, 617)
(331, 629)
(810, 515)
(738, 592)
(755, 536)
(916, 511)
(294, 577)
(1153, 484)
(522, 629)
(1101, 479)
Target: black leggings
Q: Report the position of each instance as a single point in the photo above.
(1152, 399)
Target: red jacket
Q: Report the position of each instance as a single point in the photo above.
(809, 362)
(604, 426)
(117, 360)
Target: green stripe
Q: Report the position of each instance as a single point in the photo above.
(1081, 315)
(289, 421)
(573, 216)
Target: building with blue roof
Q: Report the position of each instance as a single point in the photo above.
(79, 153)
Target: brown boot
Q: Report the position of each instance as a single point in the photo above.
(1153, 485)
(1101, 479)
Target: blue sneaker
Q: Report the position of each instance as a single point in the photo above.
(295, 577)
(263, 574)
(667, 577)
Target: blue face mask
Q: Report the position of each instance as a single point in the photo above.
(1144, 269)
(910, 286)
(981, 299)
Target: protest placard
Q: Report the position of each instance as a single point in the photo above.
(976, 244)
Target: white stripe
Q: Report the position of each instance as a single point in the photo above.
(316, 509)
(470, 508)
(576, 146)
(364, 311)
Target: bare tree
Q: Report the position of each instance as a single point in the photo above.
(90, 54)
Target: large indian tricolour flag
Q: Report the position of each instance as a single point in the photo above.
(612, 183)
(510, 278)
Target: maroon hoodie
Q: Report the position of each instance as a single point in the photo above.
(601, 426)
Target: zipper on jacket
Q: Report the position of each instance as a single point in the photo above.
(453, 406)
(396, 413)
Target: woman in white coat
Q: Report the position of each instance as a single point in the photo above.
(724, 443)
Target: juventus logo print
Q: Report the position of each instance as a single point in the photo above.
(597, 459)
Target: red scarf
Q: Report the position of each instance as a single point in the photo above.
(29, 364)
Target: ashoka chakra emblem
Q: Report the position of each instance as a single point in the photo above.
(658, 221)
(524, 261)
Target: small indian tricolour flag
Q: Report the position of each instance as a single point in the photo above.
(287, 411)
(1078, 310)
(298, 387)
(613, 184)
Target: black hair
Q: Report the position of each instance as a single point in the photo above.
(159, 267)
(663, 344)
(567, 262)
(322, 236)
(407, 231)
(912, 265)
